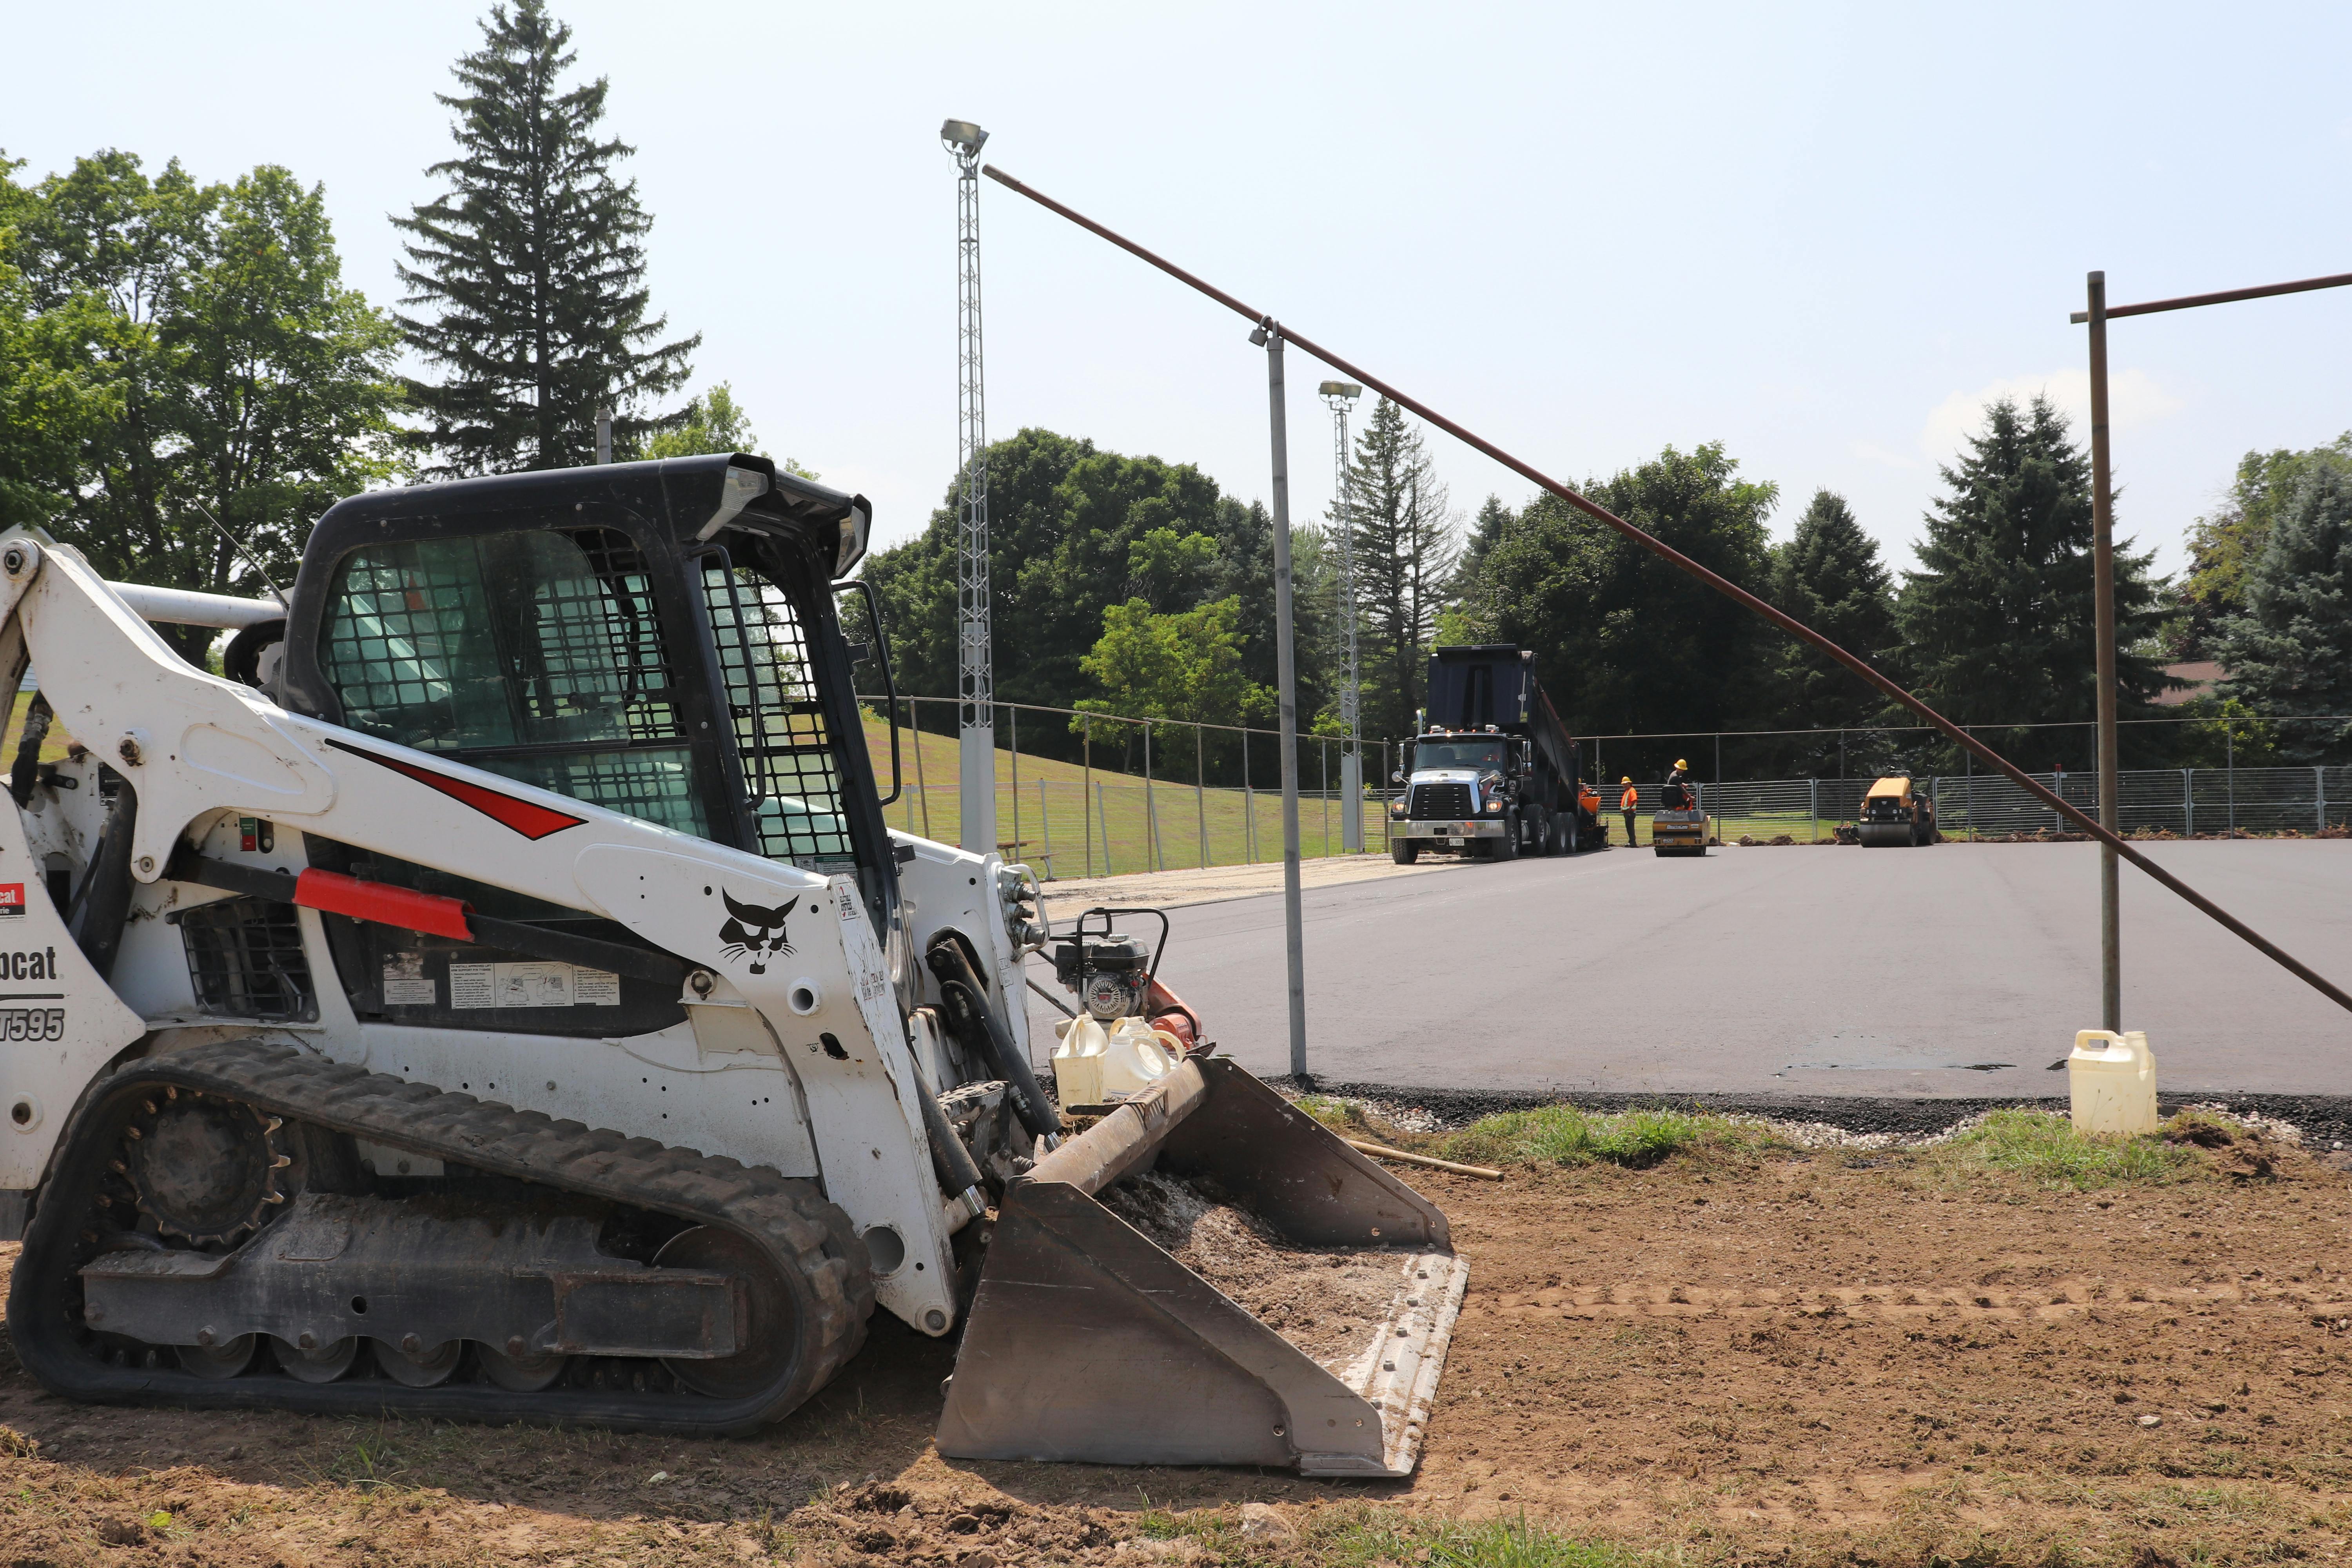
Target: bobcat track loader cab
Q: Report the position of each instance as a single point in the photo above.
(502, 998)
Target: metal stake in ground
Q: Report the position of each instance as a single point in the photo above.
(2103, 581)
(1285, 678)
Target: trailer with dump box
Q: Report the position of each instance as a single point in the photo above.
(1494, 770)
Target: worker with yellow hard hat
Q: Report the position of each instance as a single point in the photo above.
(1678, 791)
(1630, 804)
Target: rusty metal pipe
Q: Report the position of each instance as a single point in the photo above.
(1731, 590)
(2225, 296)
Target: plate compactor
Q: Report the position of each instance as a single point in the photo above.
(498, 997)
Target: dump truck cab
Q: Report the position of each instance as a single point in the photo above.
(1894, 814)
(1494, 770)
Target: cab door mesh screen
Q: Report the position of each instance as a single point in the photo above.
(791, 768)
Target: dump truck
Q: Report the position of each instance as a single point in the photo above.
(1894, 813)
(1493, 772)
(499, 996)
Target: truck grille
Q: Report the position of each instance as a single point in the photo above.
(1432, 801)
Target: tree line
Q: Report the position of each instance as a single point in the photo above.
(1134, 585)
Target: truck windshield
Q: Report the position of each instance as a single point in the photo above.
(1458, 754)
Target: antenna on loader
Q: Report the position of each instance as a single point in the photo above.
(250, 558)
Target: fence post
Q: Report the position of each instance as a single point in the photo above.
(2319, 790)
(2230, 762)
(2187, 803)
(1814, 811)
(1013, 729)
(1388, 817)
(1323, 788)
(1151, 807)
(1045, 826)
(922, 790)
(1086, 794)
(1249, 806)
(1103, 812)
(1200, 788)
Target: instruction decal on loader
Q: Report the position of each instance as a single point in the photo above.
(531, 986)
(12, 900)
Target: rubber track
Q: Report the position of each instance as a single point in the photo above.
(804, 1234)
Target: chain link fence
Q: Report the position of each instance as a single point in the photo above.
(2182, 801)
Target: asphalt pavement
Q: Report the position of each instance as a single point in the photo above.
(1959, 971)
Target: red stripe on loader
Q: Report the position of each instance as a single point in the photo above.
(337, 894)
(531, 820)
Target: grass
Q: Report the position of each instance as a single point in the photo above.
(53, 744)
(1108, 822)
(1366, 1537)
(2043, 1147)
(1564, 1135)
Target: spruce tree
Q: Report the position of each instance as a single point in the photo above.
(533, 264)
(1404, 564)
(1997, 623)
(2291, 652)
(1829, 576)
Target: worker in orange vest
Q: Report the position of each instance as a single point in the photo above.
(1631, 803)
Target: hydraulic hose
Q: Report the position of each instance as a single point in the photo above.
(27, 771)
(958, 1171)
(965, 1001)
(106, 889)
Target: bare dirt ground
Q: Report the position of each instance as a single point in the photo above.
(1824, 1357)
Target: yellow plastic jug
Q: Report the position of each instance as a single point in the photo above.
(2112, 1080)
(1078, 1062)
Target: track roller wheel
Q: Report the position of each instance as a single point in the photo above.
(228, 1359)
(319, 1363)
(773, 1319)
(425, 1366)
(521, 1373)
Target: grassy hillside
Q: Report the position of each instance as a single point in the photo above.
(1077, 835)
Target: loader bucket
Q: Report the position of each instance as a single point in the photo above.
(1088, 1341)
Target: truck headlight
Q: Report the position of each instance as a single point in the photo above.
(1494, 806)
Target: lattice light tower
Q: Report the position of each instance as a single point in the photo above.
(975, 667)
(1340, 395)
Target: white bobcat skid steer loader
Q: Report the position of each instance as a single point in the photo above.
(499, 997)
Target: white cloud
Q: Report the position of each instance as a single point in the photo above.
(2134, 399)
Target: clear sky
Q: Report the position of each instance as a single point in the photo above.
(1824, 236)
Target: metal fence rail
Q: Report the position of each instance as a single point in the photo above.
(1221, 807)
(2186, 801)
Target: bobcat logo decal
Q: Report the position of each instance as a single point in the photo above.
(752, 930)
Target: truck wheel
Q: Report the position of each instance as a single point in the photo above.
(1403, 851)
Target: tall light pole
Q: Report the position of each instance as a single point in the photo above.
(1286, 681)
(975, 665)
(1340, 396)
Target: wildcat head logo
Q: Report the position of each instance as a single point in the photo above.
(753, 931)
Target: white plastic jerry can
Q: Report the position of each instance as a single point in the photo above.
(2112, 1082)
(1135, 1057)
(1078, 1062)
